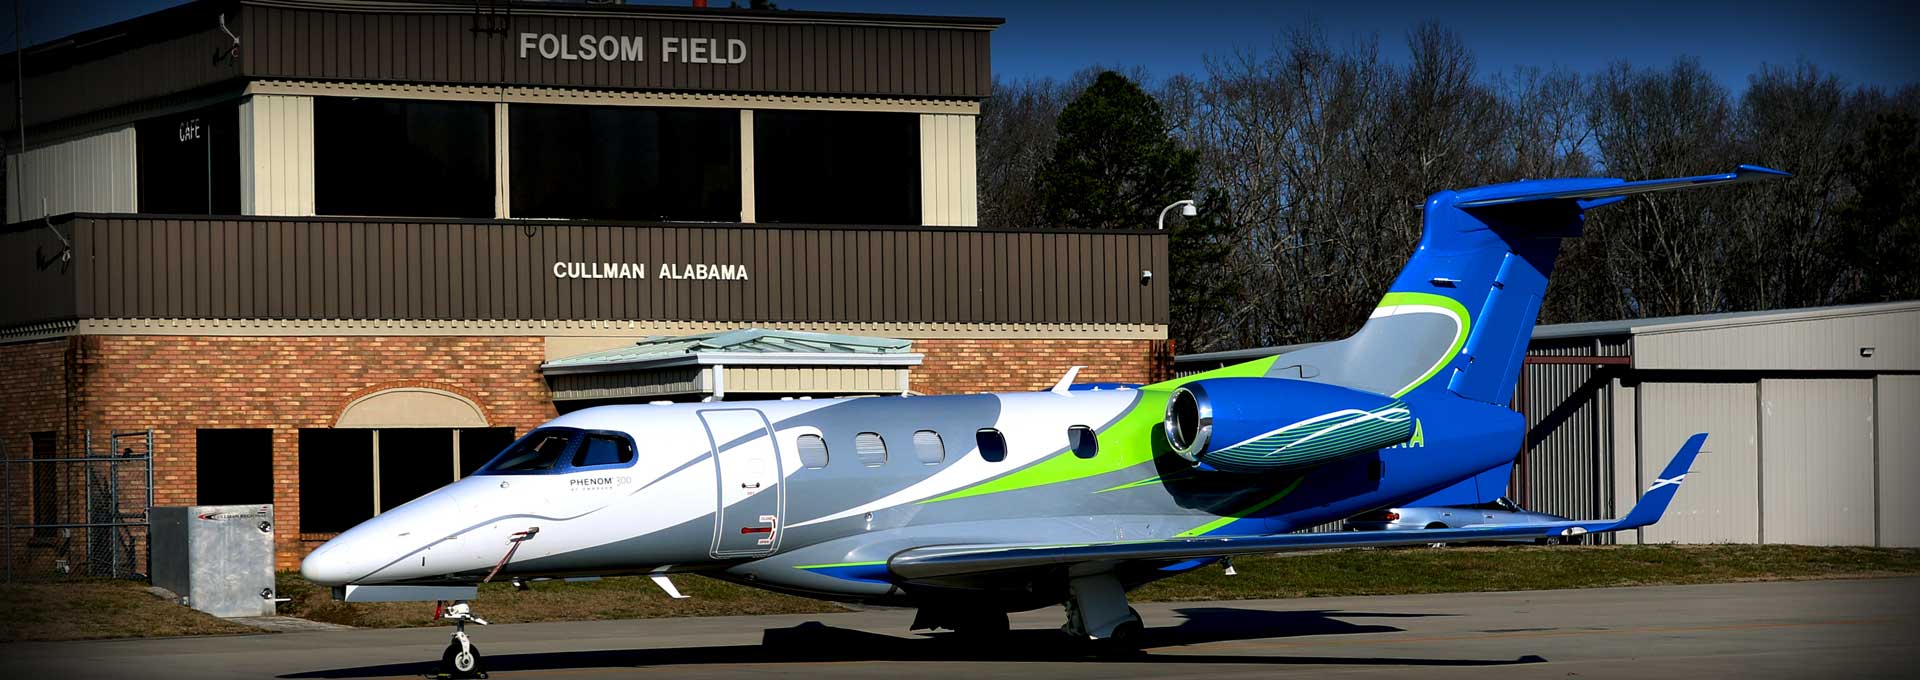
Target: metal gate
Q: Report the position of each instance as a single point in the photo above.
(73, 515)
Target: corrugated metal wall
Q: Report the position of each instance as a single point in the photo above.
(308, 268)
(1897, 441)
(1721, 498)
(276, 155)
(1831, 343)
(948, 180)
(1816, 461)
(1570, 459)
(92, 173)
(785, 55)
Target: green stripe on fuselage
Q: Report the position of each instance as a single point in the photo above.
(1126, 443)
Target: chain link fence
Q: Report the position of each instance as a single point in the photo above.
(77, 513)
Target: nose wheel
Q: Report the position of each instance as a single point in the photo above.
(462, 658)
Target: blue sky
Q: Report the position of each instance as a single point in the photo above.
(1862, 42)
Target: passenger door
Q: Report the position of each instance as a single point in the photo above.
(750, 500)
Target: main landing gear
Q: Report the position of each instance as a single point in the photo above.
(462, 658)
(1097, 610)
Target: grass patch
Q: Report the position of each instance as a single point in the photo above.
(620, 597)
(1406, 571)
(85, 609)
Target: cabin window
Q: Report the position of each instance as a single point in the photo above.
(600, 449)
(233, 467)
(813, 451)
(870, 449)
(927, 445)
(1081, 441)
(993, 445)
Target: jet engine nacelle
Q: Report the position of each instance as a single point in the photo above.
(1257, 425)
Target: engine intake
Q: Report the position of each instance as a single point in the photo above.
(1259, 425)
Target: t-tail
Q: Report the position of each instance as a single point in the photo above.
(1460, 314)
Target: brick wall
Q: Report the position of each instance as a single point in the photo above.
(1017, 365)
(177, 384)
(34, 382)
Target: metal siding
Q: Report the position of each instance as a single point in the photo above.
(782, 57)
(351, 268)
(1721, 499)
(1816, 440)
(1623, 402)
(95, 173)
(1819, 344)
(1568, 466)
(1897, 468)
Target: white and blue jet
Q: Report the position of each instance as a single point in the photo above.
(969, 507)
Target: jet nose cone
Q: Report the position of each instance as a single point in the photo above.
(333, 563)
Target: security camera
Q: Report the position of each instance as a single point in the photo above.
(1146, 277)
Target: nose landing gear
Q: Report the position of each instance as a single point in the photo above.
(462, 658)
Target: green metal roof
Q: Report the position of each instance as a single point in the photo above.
(744, 347)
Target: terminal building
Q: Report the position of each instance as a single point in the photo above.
(332, 254)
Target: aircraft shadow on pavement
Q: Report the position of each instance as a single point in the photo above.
(814, 642)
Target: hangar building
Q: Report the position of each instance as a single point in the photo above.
(1813, 418)
(334, 253)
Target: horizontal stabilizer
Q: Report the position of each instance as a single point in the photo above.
(1593, 192)
(952, 563)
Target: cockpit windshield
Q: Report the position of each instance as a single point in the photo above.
(539, 451)
(554, 450)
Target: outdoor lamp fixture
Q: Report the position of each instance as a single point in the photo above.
(1186, 210)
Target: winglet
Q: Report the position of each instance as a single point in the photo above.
(1653, 502)
(1066, 381)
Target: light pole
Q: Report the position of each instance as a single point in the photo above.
(1186, 210)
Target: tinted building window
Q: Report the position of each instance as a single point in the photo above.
(46, 485)
(479, 445)
(336, 479)
(400, 158)
(412, 463)
(832, 167)
(624, 163)
(234, 467)
(189, 163)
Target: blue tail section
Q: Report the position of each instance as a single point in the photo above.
(1486, 254)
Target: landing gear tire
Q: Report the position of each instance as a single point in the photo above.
(461, 663)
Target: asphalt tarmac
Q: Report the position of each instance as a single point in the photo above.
(1810, 629)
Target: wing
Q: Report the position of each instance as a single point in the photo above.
(955, 563)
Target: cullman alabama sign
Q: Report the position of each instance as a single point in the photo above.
(670, 271)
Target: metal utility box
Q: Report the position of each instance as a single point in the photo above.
(216, 558)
